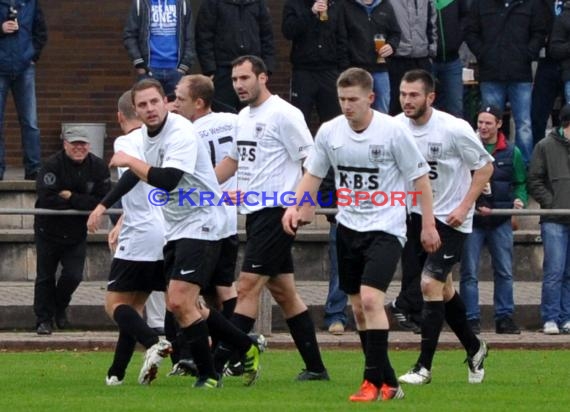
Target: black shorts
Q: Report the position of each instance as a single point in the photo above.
(268, 247)
(224, 273)
(439, 264)
(366, 258)
(136, 276)
(191, 260)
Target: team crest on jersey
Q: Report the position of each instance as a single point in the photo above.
(259, 130)
(435, 150)
(376, 153)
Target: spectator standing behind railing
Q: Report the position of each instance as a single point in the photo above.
(560, 47)
(70, 179)
(505, 190)
(548, 184)
(225, 30)
(159, 39)
(22, 37)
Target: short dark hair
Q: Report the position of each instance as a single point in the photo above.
(355, 76)
(199, 87)
(146, 84)
(125, 105)
(564, 116)
(423, 76)
(257, 64)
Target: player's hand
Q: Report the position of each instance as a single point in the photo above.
(94, 220)
(484, 210)
(290, 220)
(235, 197)
(120, 159)
(457, 217)
(430, 239)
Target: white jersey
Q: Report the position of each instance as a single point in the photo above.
(142, 234)
(218, 131)
(452, 150)
(272, 141)
(379, 162)
(194, 209)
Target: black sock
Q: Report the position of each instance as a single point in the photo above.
(124, 350)
(197, 337)
(225, 350)
(456, 317)
(303, 332)
(223, 330)
(362, 335)
(432, 321)
(228, 307)
(242, 322)
(373, 368)
(131, 323)
(387, 371)
(171, 334)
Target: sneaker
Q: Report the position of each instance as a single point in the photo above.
(307, 375)
(475, 370)
(44, 328)
(390, 392)
(336, 328)
(152, 359)
(507, 326)
(368, 392)
(112, 381)
(565, 328)
(404, 321)
(235, 369)
(475, 326)
(260, 340)
(418, 375)
(207, 383)
(184, 367)
(550, 328)
(251, 368)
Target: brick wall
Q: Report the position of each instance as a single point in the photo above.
(84, 69)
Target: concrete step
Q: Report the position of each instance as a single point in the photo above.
(86, 311)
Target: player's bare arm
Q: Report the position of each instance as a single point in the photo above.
(137, 166)
(296, 216)
(226, 169)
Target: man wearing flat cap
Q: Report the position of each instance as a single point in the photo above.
(72, 178)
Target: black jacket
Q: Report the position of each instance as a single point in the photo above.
(88, 182)
(137, 34)
(548, 179)
(451, 21)
(506, 38)
(227, 29)
(18, 50)
(316, 45)
(560, 42)
(361, 28)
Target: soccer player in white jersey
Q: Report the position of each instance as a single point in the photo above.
(374, 158)
(177, 163)
(137, 266)
(453, 153)
(272, 141)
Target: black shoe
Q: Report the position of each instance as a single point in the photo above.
(44, 328)
(402, 318)
(507, 326)
(475, 326)
(61, 321)
(306, 375)
(31, 175)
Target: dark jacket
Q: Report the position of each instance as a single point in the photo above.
(316, 45)
(502, 194)
(18, 50)
(361, 28)
(549, 175)
(560, 42)
(89, 182)
(227, 29)
(506, 38)
(451, 19)
(136, 34)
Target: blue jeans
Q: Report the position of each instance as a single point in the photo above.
(449, 97)
(168, 78)
(23, 87)
(555, 305)
(519, 95)
(381, 91)
(499, 241)
(567, 92)
(335, 306)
